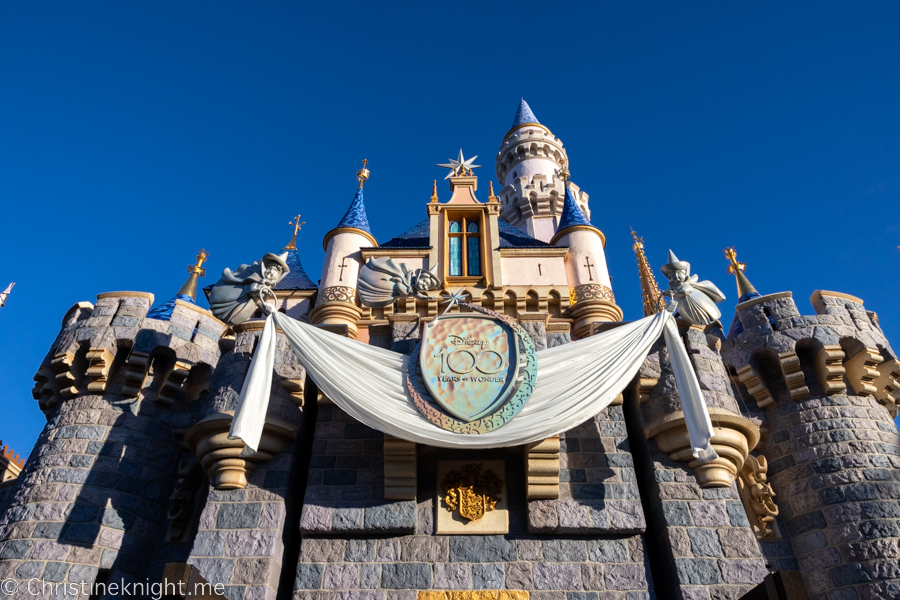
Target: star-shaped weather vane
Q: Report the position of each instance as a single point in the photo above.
(460, 166)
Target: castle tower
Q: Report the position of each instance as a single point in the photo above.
(590, 290)
(296, 290)
(828, 386)
(528, 165)
(336, 304)
(117, 387)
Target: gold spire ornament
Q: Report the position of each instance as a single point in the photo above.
(736, 268)
(190, 286)
(296, 224)
(491, 196)
(363, 174)
(5, 294)
(434, 198)
(649, 288)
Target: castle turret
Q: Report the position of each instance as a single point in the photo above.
(590, 290)
(528, 165)
(336, 304)
(828, 384)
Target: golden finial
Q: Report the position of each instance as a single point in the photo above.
(564, 172)
(198, 269)
(296, 224)
(649, 288)
(434, 197)
(190, 286)
(736, 268)
(363, 174)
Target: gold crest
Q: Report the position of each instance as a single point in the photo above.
(472, 492)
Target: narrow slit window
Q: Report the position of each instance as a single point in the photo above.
(456, 268)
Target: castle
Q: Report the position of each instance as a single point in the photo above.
(135, 479)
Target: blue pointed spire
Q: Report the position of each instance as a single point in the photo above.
(524, 115)
(296, 279)
(355, 217)
(572, 215)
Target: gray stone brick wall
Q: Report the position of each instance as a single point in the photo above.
(345, 485)
(598, 489)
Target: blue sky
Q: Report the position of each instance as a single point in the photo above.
(134, 133)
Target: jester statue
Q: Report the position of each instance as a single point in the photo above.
(696, 300)
(237, 295)
(382, 281)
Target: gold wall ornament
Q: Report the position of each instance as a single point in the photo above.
(363, 174)
(756, 494)
(296, 223)
(472, 492)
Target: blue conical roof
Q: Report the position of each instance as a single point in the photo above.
(524, 115)
(571, 214)
(296, 279)
(163, 312)
(355, 216)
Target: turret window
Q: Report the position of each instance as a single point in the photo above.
(465, 248)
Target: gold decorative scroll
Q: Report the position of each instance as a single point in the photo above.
(471, 492)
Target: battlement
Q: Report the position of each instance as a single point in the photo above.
(537, 196)
(12, 457)
(776, 351)
(528, 142)
(97, 340)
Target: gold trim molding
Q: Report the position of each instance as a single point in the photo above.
(474, 595)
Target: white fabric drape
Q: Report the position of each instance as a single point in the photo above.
(574, 382)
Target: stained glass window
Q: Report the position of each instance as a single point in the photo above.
(464, 248)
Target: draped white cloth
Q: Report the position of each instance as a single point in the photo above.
(574, 382)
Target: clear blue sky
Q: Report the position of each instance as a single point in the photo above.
(134, 133)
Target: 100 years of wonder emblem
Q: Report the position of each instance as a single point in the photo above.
(472, 372)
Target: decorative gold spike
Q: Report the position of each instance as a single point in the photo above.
(363, 174)
(736, 268)
(491, 196)
(190, 286)
(434, 197)
(296, 224)
(649, 289)
(197, 269)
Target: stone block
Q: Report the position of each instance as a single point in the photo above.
(482, 549)
(625, 577)
(607, 551)
(518, 576)
(743, 571)
(564, 551)
(239, 515)
(704, 542)
(309, 576)
(209, 543)
(406, 576)
(556, 576)
(697, 571)
(488, 576)
(341, 576)
(738, 543)
(360, 551)
(592, 576)
(421, 548)
(317, 550)
(452, 576)
(392, 517)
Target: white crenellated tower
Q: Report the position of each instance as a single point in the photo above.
(529, 162)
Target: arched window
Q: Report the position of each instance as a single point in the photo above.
(465, 248)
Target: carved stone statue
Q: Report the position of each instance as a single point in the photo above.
(235, 297)
(382, 281)
(696, 300)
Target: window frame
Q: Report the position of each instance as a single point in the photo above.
(465, 217)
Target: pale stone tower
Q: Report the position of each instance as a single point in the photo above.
(590, 289)
(528, 165)
(336, 304)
